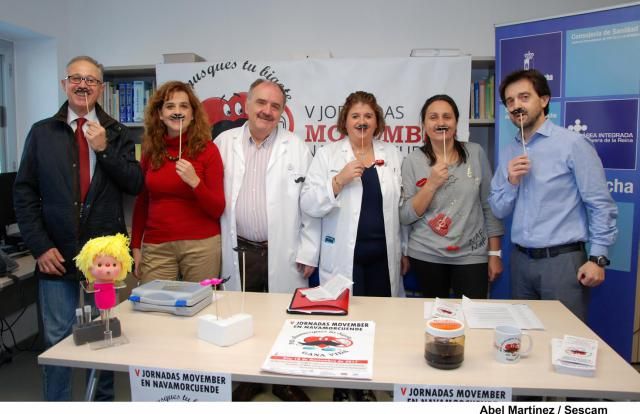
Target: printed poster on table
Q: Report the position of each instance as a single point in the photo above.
(323, 348)
(439, 393)
(166, 385)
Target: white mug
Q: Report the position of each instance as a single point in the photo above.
(508, 344)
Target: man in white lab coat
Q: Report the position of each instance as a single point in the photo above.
(264, 169)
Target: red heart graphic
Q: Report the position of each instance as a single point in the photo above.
(440, 224)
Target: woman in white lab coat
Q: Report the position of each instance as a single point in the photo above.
(354, 186)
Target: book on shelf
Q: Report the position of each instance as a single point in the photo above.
(122, 96)
(129, 107)
(115, 106)
(106, 98)
(138, 101)
(482, 111)
(476, 100)
(472, 102)
(490, 97)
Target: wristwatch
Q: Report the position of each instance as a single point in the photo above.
(497, 253)
(601, 261)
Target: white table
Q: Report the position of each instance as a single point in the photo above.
(167, 341)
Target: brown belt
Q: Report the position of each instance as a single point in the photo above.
(253, 244)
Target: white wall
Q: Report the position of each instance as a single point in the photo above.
(38, 30)
(139, 32)
(38, 21)
(129, 32)
(37, 91)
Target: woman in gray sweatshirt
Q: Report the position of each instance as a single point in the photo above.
(454, 238)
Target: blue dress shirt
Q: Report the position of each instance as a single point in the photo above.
(563, 199)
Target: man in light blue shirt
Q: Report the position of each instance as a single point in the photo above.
(555, 186)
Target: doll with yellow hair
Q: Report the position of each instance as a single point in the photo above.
(103, 261)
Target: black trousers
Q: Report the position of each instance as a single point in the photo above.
(437, 280)
(257, 266)
(371, 269)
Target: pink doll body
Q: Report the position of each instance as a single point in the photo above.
(105, 269)
(105, 295)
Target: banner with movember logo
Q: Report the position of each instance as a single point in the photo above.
(316, 88)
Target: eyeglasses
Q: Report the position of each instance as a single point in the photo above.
(89, 80)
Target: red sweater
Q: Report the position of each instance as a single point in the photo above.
(168, 209)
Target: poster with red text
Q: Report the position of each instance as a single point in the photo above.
(323, 348)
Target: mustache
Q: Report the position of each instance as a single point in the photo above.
(518, 111)
(442, 128)
(177, 116)
(265, 117)
(84, 91)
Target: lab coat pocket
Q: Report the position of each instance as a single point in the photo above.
(327, 253)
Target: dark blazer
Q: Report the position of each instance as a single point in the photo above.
(46, 193)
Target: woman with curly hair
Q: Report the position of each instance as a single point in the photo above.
(176, 219)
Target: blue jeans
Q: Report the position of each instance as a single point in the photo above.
(58, 300)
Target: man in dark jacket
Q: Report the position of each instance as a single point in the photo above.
(75, 168)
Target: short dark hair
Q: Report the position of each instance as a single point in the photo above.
(261, 81)
(87, 59)
(537, 79)
(365, 98)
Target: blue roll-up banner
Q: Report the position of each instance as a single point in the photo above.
(592, 63)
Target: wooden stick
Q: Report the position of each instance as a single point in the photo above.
(444, 140)
(180, 139)
(524, 148)
(244, 279)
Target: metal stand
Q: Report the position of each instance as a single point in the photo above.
(92, 383)
(108, 341)
(231, 330)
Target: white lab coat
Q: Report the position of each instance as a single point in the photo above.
(293, 236)
(340, 215)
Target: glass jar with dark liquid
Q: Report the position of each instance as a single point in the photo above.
(444, 343)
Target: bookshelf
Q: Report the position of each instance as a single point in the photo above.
(113, 77)
(481, 128)
(127, 90)
(483, 84)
